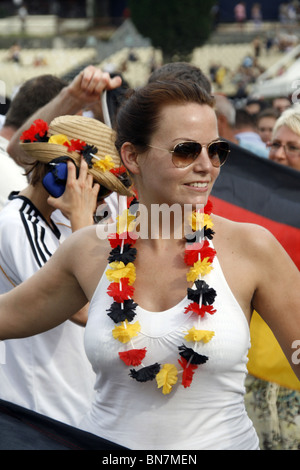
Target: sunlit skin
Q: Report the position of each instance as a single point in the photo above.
(285, 136)
(171, 185)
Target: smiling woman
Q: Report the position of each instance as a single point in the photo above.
(285, 144)
(168, 326)
(183, 116)
(189, 184)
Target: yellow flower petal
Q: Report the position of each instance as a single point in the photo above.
(198, 220)
(201, 267)
(199, 335)
(58, 139)
(125, 222)
(119, 270)
(208, 221)
(104, 164)
(125, 332)
(166, 378)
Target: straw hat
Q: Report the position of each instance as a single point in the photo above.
(102, 156)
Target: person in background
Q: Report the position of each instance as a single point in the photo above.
(41, 228)
(240, 14)
(84, 90)
(281, 103)
(226, 115)
(33, 94)
(247, 135)
(79, 97)
(254, 106)
(49, 373)
(284, 147)
(273, 405)
(4, 107)
(265, 123)
(256, 16)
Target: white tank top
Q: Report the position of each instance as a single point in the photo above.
(210, 414)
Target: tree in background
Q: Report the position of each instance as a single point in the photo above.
(174, 26)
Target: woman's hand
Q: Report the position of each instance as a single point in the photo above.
(89, 84)
(79, 200)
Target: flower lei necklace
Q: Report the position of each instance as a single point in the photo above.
(121, 272)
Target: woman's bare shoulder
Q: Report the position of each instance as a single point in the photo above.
(84, 248)
(85, 255)
(248, 235)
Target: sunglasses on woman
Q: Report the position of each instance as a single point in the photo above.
(185, 153)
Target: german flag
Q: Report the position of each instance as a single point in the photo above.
(257, 190)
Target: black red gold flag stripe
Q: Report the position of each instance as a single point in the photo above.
(256, 190)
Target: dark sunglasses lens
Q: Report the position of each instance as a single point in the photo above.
(185, 153)
(218, 152)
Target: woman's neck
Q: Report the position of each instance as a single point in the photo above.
(163, 222)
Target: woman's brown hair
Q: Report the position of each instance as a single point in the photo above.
(138, 117)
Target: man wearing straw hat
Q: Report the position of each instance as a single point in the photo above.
(49, 373)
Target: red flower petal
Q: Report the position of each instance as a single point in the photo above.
(191, 254)
(75, 145)
(207, 252)
(188, 372)
(118, 171)
(116, 239)
(39, 127)
(201, 311)
(29, 134)
(133, 357)
(208, 208)
(119, 295)
(209, 309)
(133, 198)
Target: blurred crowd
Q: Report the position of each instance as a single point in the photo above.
(253, 124)
(243, 119)
(242, 78)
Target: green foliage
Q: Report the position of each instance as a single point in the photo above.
(174, 26)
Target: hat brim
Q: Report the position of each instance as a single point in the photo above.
(93, 133)
(45, 153)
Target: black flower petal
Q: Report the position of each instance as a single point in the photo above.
(208, 233)
(127, 256)
(146, 373)
(86, 153)
(208, 293)
(198, 235)
(190, 355)
(42, 137)
(195, 237)
(133, 206)
(118, 313)
(125, 179)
